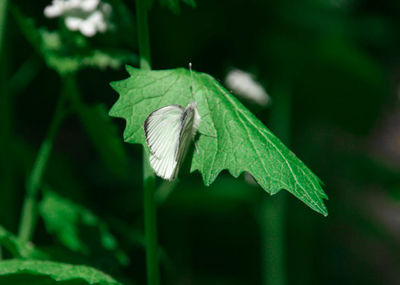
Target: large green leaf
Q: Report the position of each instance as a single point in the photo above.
(231, 137)
(46, 272)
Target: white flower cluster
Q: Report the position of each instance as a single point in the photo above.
(87, 16)
(244, 85)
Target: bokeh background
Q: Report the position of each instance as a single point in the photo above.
(332, 70)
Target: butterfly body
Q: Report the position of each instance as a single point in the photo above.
(169, 131)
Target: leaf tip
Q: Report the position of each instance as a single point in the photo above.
(113, 85)
(322, 209)
(130, 69)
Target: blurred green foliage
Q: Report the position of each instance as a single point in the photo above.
(46, 272)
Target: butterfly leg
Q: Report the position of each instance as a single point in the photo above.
(207, 135)
(196, 147)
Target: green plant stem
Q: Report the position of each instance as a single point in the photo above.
(273, 210)
(73, 93)
(143, 35)
(3, 21)
(7, 163)
(272, 231)
(150, 222)
(29, 209)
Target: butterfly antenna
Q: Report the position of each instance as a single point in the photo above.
(191, 76)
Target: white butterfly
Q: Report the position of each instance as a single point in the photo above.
(168, 132)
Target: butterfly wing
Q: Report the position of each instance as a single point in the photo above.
(163, 131)
(186, 133)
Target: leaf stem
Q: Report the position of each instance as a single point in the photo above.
(273, 236)
(273, 210)
(5, 100)
(7, 164)
(34, 181)
(150, 222)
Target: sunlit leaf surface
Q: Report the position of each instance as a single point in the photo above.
(231, 137)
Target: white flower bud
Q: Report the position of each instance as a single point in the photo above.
(106, 9)
(73, 23)
(86, 16)
(87, 28)
(53, 11)
(244, 85)
(89, 5)
(73, 4)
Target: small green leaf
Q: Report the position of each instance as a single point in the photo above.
(174, 6)
(18, 248)
(46, 272)
(78, 228)
(191, 3)
(231, 137)
(97, 58)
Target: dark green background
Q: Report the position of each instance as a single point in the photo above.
(336, 61)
